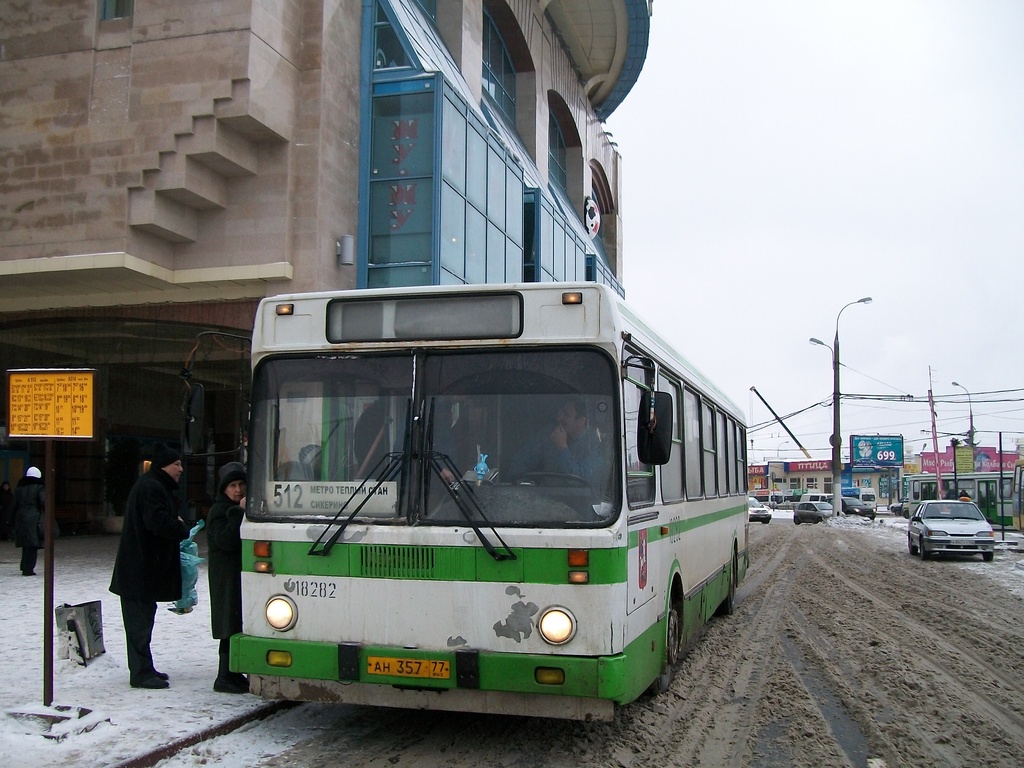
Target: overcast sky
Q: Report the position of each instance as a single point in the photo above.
(783, 158)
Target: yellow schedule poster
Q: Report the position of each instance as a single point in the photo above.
(50, 403)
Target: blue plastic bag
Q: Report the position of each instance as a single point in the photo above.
(190, 561)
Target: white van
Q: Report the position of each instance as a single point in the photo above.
(826, 497)
(865, 496)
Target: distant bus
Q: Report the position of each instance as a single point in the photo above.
(984, 489)
(1018, 494)
(395, 554)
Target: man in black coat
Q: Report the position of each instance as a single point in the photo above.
(148, 565)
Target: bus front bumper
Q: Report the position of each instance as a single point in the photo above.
(571, 687)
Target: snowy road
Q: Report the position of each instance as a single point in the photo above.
(844, 650)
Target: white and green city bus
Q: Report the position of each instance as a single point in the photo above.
(511, 499)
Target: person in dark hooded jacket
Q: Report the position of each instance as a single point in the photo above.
(224, 556)
(29, 502)
(147, 569)
(6, 510)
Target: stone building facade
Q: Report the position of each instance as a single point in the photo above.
(165, 165)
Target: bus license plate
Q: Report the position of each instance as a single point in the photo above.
(397, 667)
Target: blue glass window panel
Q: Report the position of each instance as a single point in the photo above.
(116, 9)
(453, 146)
(429, 7)
(453, 231)
(514, 205)
(400, 221)
(476, 167)
(495, 187)
(513, 262)
(558, 250)
(388, 52)
(547, 244)
(495, 254)
(446, 279)
(498, 74)
(403, 136)
(390, 277)
(476, 246)
(556, 154)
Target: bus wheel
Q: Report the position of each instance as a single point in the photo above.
(728, 606)
(673, 645)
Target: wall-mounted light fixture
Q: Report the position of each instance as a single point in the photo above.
(345, 250)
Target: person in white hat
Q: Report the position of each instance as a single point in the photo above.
(29, 500)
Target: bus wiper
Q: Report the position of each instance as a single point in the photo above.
(392, 464)
(465, 499)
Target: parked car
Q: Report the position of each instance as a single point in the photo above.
(758, 512)
(864, 495)
(811, 511)
(852, 506)
(950, 527)
(898, 506)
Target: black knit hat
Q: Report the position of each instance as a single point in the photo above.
(233, 470)
(164, 455)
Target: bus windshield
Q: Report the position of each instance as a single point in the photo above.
(514, 437)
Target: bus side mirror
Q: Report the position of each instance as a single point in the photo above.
(654, 428)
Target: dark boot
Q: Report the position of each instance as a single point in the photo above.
(228, 681)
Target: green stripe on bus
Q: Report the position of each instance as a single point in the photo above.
(681, 526)
(403, 561)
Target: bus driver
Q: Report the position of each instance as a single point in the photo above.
(573, 447)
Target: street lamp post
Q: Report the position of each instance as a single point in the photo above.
(837, 439)
(970, 409)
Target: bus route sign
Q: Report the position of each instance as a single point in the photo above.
(876, 450)
(50, 403)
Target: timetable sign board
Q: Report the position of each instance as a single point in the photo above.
(50, 403)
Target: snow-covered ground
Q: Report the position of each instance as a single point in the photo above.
(118, 723)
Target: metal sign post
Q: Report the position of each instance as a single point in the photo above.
(50, 404)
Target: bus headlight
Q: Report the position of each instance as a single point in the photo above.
(557, 626)
(281, 613)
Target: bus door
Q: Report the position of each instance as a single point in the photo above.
(988, 502)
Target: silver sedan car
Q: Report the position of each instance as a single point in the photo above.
(950, 527)
(811, 511)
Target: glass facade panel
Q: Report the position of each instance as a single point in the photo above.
(453, 232)
(453, 147)
(473, 225)
(513, 262)
(495, 254)
(499, 77)
(495, 187)
(476, 246)
(556, 154)
(403, 136)
(476, 165)
(390, 277)
(116, 9)
(547, 245)
(558, 249)
(400, 222)
(514, 205)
